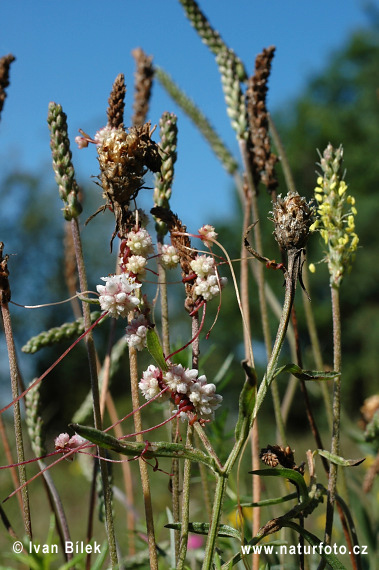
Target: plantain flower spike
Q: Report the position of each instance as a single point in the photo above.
(336, 216)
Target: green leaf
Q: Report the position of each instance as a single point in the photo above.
(269, 502)
(295, 370)
(246, 403)
(337, 460)
(148, 450)
(224, 530)
(290, 474)
(155, 349)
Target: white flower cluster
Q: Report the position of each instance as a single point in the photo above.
(194, 389)
(149, 384)
(207, 284)
(66, 443)
(117, 296)
(136, 332)
(136, 265)
(207, 231)
(169, 257)
(140, 242)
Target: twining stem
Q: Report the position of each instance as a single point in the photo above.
(15, 374)
(335, 446)
(91, 352)
(142, 464)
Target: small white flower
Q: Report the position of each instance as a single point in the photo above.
(169, 257)
(117, 295)
(61, 441)
(179, 379)
(209, 287)
(140, 242)
(136, 332)
(64, 443)
(136, 265)
(207, 231)
(149, 384)
(104, 133)
(203, 265)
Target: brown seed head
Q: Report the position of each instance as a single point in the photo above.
(292, 218)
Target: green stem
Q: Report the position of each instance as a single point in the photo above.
(15, 376)
(91, 352)
(335, 447)
(291, 278)
(185, 504)
(142, 464)
(218, 500)
(316, 349)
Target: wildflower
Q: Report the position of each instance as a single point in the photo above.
(117, 296)
(179, 379)
(204, 398)
(203, 265)
(336, 223)
(149, 384)
(207, 231)
(209, 287)
(136, 332)
(136, 265)
(140, 242)
(169, 256)
(64, 443)
(191, 392)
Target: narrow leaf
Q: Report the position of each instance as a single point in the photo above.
(337, 460)
(295, 370)
(290, 474)
(155, 349)
(246, 403)
(224, 530)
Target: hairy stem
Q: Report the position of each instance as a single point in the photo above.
(91, 352)
(335, 447)
(15, 381)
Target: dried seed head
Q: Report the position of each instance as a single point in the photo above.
(274, 455)
(292, 218)
(5, 63)
(124, 157)
(115, 111)
(142, 85)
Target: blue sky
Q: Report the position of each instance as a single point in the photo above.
(70, 52)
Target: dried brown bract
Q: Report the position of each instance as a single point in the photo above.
(143, 81)
(263, 159)
(124, 158)
(5, 63)
(116, 104)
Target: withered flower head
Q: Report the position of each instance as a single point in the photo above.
(292, 218)
(272, 455)
(124, 158)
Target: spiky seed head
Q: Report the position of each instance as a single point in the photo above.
(292, 216)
